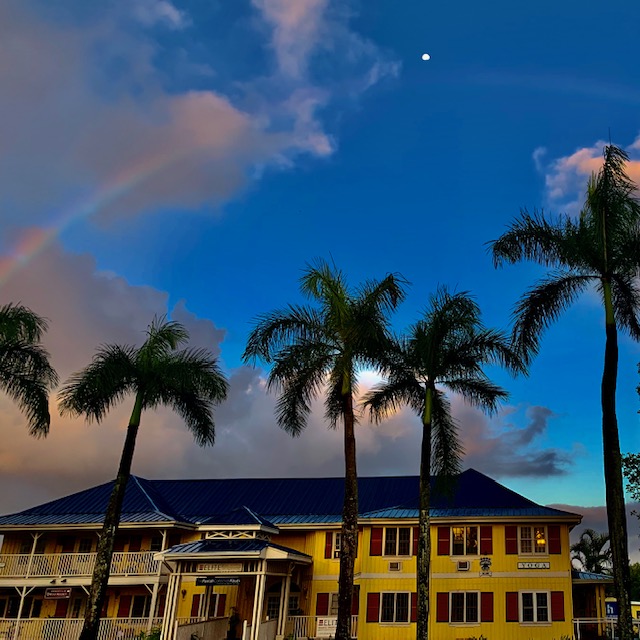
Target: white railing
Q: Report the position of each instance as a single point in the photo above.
(587, 627)
(306, 626)
(70, 628)
(22, 565)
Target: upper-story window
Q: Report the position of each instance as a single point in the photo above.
(531, 540)
(333, 544)
(464, 541)
(397, 541)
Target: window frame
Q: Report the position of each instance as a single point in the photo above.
(397, 543)
(336, 545)
(535, 606)
(536, 550)
(395, 595)
(465, 529)
(465, 594)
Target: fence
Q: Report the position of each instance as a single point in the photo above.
(22, 565)
(69, 628)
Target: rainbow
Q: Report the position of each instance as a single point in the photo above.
(34, 240)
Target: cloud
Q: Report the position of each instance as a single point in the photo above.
(566, 177)
(90, 116)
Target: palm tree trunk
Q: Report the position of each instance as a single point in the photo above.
(424, 540)
(349, 535)
(100, 578)
(613, 474)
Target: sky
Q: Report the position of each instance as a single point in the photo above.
(192, 158)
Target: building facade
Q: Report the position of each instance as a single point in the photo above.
(188, 551)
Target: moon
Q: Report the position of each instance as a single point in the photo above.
(426, 56)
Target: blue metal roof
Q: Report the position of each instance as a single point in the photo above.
(588, 576)
(224, 545)
(282, 501)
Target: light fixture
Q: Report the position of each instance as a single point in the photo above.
(184, 592)
(52, 581)
(540, 540)
(63, 580)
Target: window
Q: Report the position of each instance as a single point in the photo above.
(394, 607)
(464, 541)
(534, 606)
(336, 546)
(532, 540)
(397, 541)
(464, 606)
(85, 545)
(140, 607)
(156, 543)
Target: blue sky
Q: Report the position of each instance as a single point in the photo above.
(191, 158)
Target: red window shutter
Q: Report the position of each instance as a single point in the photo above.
(486, 606)
(355, 600)
(222, 601)
(124, 607)
(195, 605)
(375, 548)
(512, 606)
(322, 604)
(162, 603)
(62, 606)
(511, 539)
(328, 544)
(442, 607)
(416, 535)
(486, 540)
(414, 607)
(555, 545)
(135, 543)
(373, 607)
(557, 606)
(443, 541)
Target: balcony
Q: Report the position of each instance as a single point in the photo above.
(56, 565)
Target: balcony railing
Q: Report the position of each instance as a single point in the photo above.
(69, 628)
(23, 565)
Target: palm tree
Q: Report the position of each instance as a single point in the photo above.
(323, 347)
(446, 349)
(601, 248)
(25, 373)
(591, 552)
(187, 380)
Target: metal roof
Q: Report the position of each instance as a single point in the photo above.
(588, 576)
(224, 545)
(282, 501)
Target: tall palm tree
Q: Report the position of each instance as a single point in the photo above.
(446, 350)
(157, 373)
(25, 373)
(601, 249)
(591, 552)
(323, 347)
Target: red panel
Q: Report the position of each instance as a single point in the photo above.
(512, 606)
(416, 535)
(511, 539)
(105, 607)
(555, 545)
(444, 536)
(486, 540)
(119, 543)
(322, 604)
(414, 607)
(62, 606)
(486, 606)
(375, 548)
(124, 607)
(557, 606)
(328, 544)
(442, 607)
(355, 600)
(162, 603)
(222, 600)
(195, 605)
(373, 607)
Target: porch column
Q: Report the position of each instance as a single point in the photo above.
(258, 598)
(284, 602)
(168, 625)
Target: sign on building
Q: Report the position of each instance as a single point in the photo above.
(57, 593)
(326, 627)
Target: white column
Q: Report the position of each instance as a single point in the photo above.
(170, 609)
(284, 602)
(258, 600)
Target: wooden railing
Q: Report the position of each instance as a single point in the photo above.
(23, 565)
(69, 628)
(306, 626)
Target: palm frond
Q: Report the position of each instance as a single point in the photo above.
(626, 303)
(446, 448)
(163, 337)
(101, 385)
(541, 305)
(388, 398)
(479, 392)
(19, 323)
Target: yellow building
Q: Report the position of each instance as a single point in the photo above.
(188, 551)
